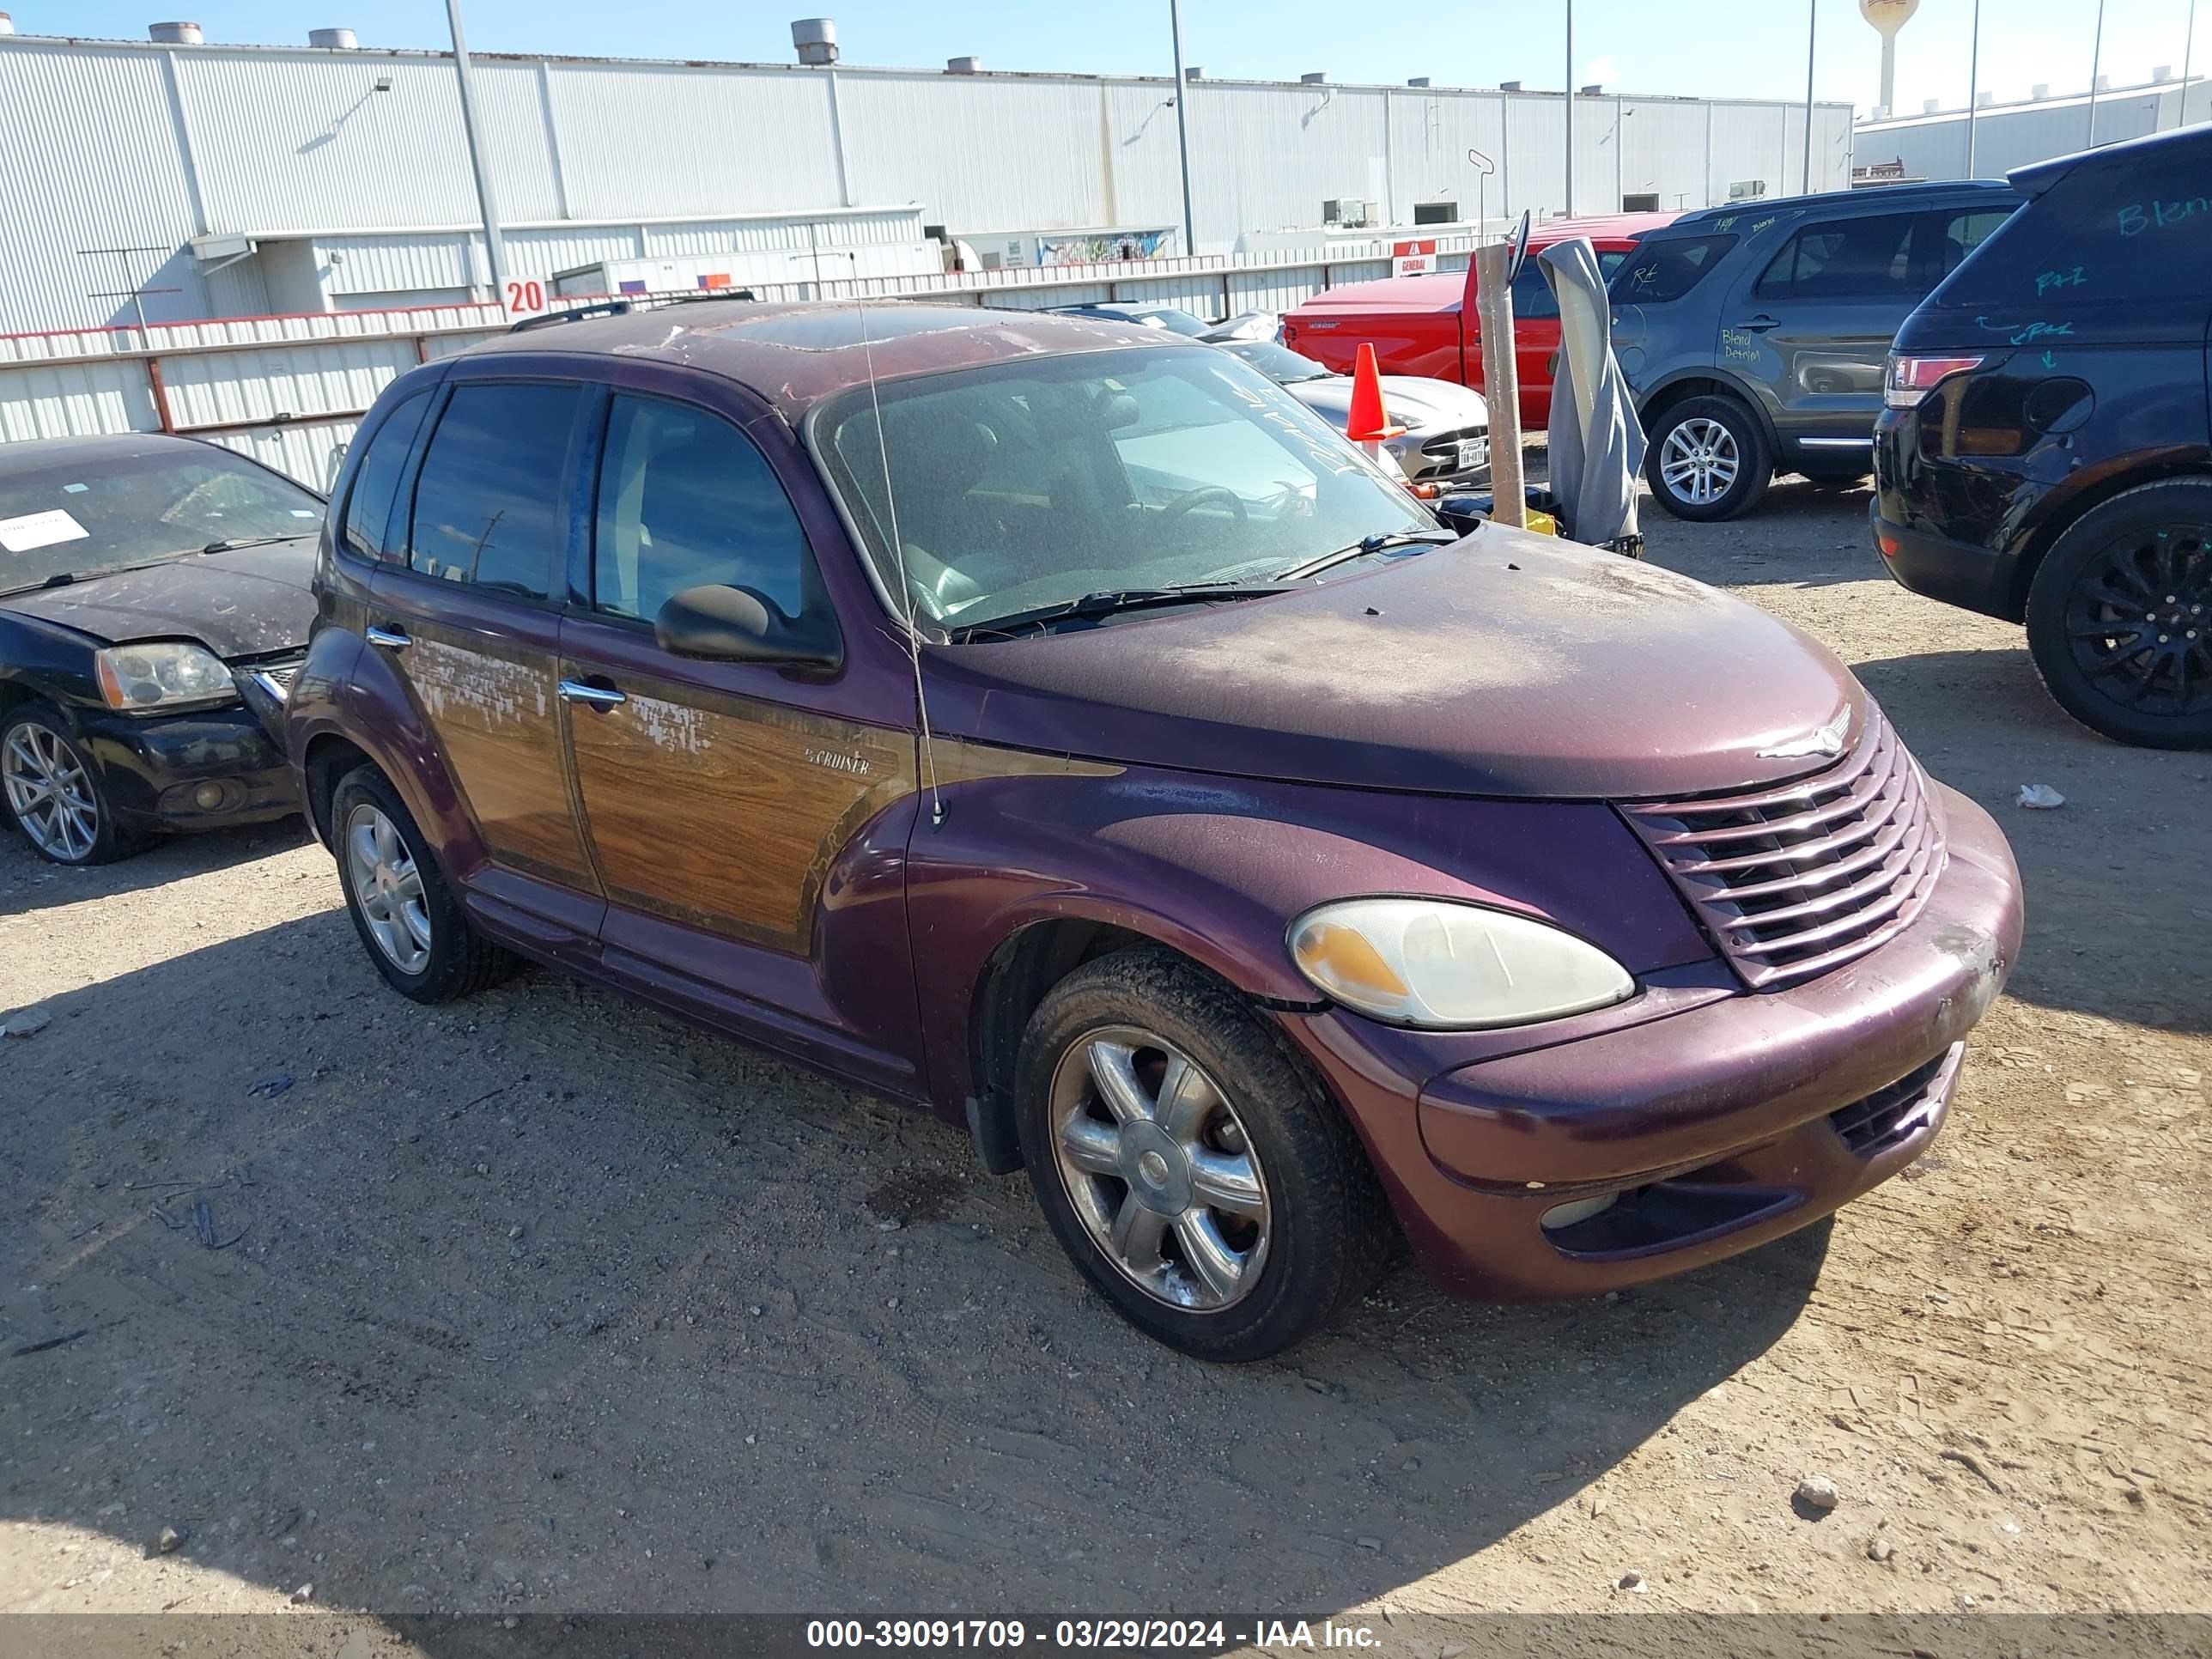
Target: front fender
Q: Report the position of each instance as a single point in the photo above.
(1216, 868)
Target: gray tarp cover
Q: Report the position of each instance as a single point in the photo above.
(1596, 441)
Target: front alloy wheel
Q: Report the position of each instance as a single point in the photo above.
(54, 795)
(1159, 1169)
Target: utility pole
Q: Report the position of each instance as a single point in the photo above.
(1571, 109)
(2096, 60)
(1182, 128)
(1974, 85)
(494, 250)
(1811, 36)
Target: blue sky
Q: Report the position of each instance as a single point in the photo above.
(1706, 47)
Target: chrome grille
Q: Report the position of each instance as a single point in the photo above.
(276, 678)
(1794, 880)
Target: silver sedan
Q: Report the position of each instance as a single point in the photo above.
(1447, 437)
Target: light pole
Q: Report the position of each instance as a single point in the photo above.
(1974, 85)
(2096, 59)
(1182, 128)
(2188, 46)
(493, 251)
(1812, 37)
(1571, 109)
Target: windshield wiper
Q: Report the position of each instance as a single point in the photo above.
(1093, 606)
(1364, 546)
(234, 542)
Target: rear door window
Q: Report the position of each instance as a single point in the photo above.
(2118, 230)
(376, 483)
(1660, 271)
(491, 501)
(1531, 294)
(1860, 258)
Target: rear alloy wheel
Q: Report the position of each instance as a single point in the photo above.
(1190, 1164)
(416, 933)
(1706, 460)
(2119, 616)
(54, 795)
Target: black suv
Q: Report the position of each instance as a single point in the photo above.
(1755, 335)
(2045, 455)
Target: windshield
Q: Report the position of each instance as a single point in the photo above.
(1174, 321)
(82, 513)
(1279, 363)
(1036, 482)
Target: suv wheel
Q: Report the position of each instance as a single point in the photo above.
(53, 794)
(1188, 1163)
(415, 931)
(2119, 616)
(1706, 460)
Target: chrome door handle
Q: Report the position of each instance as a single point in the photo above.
(597, 696)
(392, 638)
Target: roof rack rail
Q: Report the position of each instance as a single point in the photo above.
(575, 313)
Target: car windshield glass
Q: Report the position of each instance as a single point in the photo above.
(1174, 321)
(80, 513)
(1279, 363)
(1033, 483)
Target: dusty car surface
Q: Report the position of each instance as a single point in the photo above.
(154, 602)
(1058, 727)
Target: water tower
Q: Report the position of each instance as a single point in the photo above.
(1889, 16)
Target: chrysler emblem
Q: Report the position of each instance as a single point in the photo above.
(1821, 740)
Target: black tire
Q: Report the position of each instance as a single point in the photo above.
(1327, 1228)
(1754, 462)
(2141, 562)
(458, 960)
(44, 733)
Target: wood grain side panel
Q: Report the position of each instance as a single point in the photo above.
(498, 721)
(726, 813)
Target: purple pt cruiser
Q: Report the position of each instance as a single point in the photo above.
(1060, 727)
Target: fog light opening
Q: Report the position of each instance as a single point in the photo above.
(1560, 1217)
(208, 797)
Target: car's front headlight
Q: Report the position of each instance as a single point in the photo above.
(1446, 966)
(161, 674)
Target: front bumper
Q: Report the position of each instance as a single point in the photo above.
(152, 767)
(1715, 1129)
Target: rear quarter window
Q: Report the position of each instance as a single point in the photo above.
(2109, 232)
(1660, 271)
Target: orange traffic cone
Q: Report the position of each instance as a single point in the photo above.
(1367, 423)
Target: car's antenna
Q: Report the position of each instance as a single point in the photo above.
(898, 555)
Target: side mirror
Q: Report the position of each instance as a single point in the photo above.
(717, 623)
(1464, 513)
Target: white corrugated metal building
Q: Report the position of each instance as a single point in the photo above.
(224, 180)
(1933, 144)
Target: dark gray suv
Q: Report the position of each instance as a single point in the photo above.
(1755, 335)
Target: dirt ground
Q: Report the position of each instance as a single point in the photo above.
(545, 1302)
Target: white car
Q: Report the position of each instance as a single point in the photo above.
(1447, 437)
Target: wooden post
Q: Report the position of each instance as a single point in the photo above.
(1501, 383)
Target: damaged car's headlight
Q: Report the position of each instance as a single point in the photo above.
(1444, 966)
(161, 674)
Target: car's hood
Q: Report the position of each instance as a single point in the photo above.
(245, 603)
(1507, 664)
(1414, 401)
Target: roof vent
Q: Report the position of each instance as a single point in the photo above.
(1880, 112)
(1192, 72)
(2104, 83)
(175, 34)
(2161, 75)
(1313, 78)
(1593, 89)
(1509, 85)
(1984, 100)
(963, 66)
(817, 40)
(7, 24)
(1929, 106)
(1416, 81)
(2039, 91)
(333, 40)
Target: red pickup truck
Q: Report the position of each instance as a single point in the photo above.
(1427, 325)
